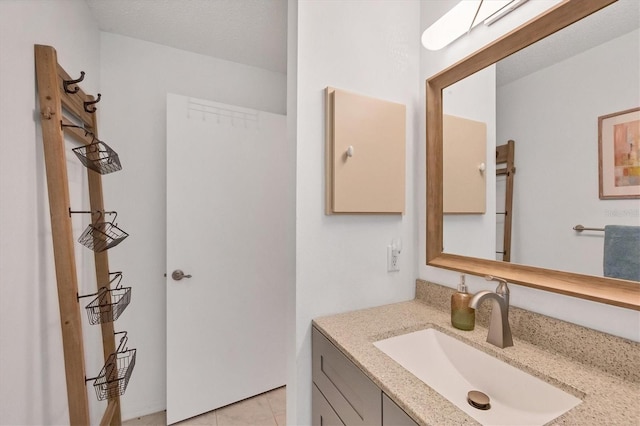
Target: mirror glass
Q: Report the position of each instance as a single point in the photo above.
(548, 98)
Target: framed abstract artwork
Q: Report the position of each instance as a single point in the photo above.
(619, 154)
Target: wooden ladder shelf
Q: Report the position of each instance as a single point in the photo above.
(53, 98)
(506, 154)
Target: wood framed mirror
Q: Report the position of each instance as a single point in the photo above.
(611, 291)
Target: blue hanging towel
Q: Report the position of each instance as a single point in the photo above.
(622, 252)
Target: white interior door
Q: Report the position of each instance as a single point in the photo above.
(229, 226)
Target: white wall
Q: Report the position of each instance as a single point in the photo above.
(292, 132)
(32, 381)
(568, 98)
(136, 76)
(617, 321)
(371, 48)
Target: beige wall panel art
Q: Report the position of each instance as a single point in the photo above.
(464, 164)
(365, 154)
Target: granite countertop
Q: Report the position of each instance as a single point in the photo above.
(608, 398)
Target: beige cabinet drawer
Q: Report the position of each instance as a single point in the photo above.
(355, 398)
(392, 415)
(322, 413)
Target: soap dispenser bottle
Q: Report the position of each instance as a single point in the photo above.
(462, 316)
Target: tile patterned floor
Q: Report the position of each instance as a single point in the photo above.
(267, 409)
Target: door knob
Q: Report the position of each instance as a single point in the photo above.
(178, 275)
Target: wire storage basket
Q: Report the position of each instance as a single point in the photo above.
(109, 302)
(99, 157)
(114, 376)
(102, 236)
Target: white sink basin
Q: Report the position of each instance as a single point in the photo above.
(452, 369)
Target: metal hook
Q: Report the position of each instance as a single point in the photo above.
(87, 105)
(86, 131)
(118, 276)
(123, 341)
(101, 291)
(99, 212)
(67, 83)
(103, 213)
(115, 216)
(92, 212)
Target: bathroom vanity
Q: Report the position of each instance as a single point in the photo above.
(342, 391)
(356, 383)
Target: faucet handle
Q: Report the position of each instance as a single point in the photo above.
(502, 288)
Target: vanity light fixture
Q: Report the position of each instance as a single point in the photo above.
(513, 5)
(463, 17)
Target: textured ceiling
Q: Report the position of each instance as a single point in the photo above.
(254, 32)
(251, 32)
(613, 21)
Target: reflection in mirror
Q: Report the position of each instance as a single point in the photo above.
(617, 292)
(472, 98)
(548, 98)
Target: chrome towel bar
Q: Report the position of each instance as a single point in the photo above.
(581, 228)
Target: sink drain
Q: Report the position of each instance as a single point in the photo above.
(478, 400)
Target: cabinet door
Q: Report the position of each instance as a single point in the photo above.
(353, 396)
(321, 412)
(392, 415)
(464, 153)
(365, 154)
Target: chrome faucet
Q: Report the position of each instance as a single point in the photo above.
(499, 330)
